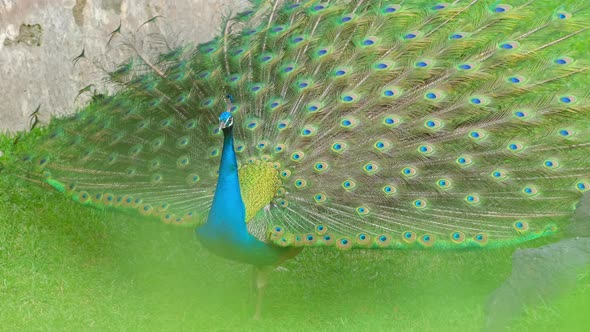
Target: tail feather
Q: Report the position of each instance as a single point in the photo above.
(394, 125)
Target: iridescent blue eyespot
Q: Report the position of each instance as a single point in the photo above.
(297, 156)
(300, 183)
(472, 199)
(566, 99)
(509, 45)
(419, 203)
(389, 190)
(499, 175)
(345, 19)
(348, 184)
(391, 9)
(582, 186)
(462, 161)
(457, 237)
(433, 95)
(514, 79)
(529, 191)
(319, 198)
(370, 168)
(362, 211)
(444, 183)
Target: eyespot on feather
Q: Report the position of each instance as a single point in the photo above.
(343, 243)
(409, 237)
(321, 229)
(363, 239)
(383, 240)
(427, 240)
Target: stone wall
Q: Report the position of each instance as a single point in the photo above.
(40, 38)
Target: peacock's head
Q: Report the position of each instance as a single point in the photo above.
(226, 120)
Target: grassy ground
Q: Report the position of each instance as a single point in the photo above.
(66, 267)
(63, 266)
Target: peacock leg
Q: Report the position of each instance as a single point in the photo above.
(261, 274)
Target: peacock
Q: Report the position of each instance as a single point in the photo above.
(406, 124)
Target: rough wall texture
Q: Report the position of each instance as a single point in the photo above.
(40, 38)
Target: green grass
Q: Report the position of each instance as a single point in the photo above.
(67, 267)
(64, 266)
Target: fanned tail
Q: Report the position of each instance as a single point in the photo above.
(411, 124)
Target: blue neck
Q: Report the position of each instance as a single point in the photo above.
(225, 233)
(228, 207)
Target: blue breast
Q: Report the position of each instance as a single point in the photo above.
(225, 232)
